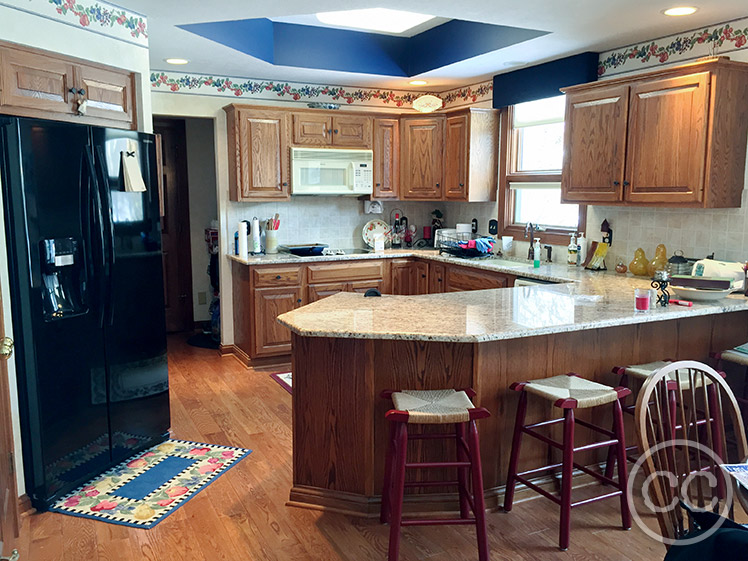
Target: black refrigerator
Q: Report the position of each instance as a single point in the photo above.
(87, 298)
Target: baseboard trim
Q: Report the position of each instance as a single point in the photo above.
(426, 504)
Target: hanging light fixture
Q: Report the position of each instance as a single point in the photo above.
(427, 103)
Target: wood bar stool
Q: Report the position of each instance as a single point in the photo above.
(570, 392)
(434, 407)
(741, 359)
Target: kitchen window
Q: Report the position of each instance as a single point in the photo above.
(532, 136)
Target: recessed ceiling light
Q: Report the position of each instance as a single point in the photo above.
(375, 19)
(418, 82)
(680, 11)
(176, 60)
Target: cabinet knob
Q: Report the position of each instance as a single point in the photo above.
(462, 184)
(277, 277)
(626, 183)
(329, 131)
(439, 280)
(437, 185)
(298, 301)
(379, 184)
(285, 183)
(616, 183)
(81, 92)
(423, 276)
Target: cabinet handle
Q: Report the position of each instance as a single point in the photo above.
(616, 183)
(626, 183)
(277, 277)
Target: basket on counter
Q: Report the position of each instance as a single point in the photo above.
(466, 244)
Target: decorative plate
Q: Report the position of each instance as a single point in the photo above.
(373, 229)
(700, 294)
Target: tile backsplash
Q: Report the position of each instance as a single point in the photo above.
(697, 232)
(338, 221)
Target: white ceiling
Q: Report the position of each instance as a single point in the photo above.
(574, 27)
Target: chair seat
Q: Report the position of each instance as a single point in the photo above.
(644, 371)
(585, 392)
(434, 406)
(735, 356)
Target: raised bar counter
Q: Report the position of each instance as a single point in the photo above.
(347, 349)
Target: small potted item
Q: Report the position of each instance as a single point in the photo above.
(621, 267)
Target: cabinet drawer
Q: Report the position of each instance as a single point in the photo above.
(276, 276)
(460, 279)
(346, 271)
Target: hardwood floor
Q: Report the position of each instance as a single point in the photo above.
(242, 515)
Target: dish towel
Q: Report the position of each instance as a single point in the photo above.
(133, 179)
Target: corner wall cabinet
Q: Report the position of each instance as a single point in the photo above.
(674, 137)
(44, 85)
(443, 156)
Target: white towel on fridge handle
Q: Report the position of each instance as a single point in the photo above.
(131, 169)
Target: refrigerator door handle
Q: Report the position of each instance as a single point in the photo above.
(106, 198)
(86, 214)
(98, 222)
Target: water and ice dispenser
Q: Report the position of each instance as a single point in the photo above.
(63, 278)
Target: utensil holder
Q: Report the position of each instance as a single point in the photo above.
(271, 241)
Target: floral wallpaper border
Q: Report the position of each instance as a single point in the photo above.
(96, 16)
(713, 40)
(196, 84)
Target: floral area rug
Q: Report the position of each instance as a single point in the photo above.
(145, 489)
(285, 379)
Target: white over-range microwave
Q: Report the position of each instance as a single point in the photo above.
(331, 171)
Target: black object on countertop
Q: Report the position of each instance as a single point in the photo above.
(87, 299)
(306, 250)
(372, 292)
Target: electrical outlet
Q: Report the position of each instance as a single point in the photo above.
(202, 298)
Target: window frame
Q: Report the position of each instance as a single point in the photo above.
(508, 157)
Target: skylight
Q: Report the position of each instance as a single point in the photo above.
(382, 20)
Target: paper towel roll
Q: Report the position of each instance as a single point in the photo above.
(243, 245)
(256, 245)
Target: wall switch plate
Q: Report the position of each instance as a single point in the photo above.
(202, 298)
(373, 207)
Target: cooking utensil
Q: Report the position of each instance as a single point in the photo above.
(678, 265)
(373, 229)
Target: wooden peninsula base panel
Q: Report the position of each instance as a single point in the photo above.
(338, 416)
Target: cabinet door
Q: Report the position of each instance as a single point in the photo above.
(345, 271)
(362, 286)
(421, 158)
(109, 93)
(386, 158)
(595, 145)
(262, 155)
(437, 280)
(460, 279)
(310, 129)
(319, 291)
(402, 277)
(35, 81)
(667, 140)
(456, 158)
(271, 338)
(420, 278)
(351, 131)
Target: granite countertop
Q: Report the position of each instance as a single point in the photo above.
(582, 300)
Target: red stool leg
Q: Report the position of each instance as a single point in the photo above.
(611, 451)
(462, 472)
(620, 449)
(514, 457)
(401, 449)
(566, 471)
(384, 513)
(478, 501)
(717, 436)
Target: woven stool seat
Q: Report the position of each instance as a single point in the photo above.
(644, 371)
(434, 406)
(735, 357)
(586, 393)
(682, 377)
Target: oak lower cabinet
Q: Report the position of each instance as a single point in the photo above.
(421, 158)
(328, 279)
(258, 154)
(437, 278)
(421, 277)
(386, 158)
(674, 137)
(47, 85)
(471, 147)
(402, 276)
(461, 279)
(271, 338)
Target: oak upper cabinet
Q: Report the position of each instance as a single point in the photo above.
(386, 158)
(325, 129)
(667, 140)
(258, 154)
(471, 155)
(49, 86)
(421, 158)
(595, 145)
(674, 137)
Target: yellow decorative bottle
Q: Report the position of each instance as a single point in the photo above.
(659, 263)
(639, 265)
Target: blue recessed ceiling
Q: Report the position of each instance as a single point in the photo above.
(307, 46)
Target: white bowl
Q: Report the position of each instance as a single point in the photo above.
(700, 294)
